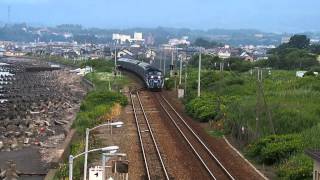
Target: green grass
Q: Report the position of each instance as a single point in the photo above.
(293, 105)
(96, 104)
(215, 133)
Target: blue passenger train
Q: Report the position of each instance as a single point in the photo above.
(153, 77)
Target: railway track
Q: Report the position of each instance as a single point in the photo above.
(208, 160)
(153, 161)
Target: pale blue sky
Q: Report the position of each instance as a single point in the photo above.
(266, 15)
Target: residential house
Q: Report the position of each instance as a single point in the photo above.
(125, 53)
(247, 56)
(315, 155)
(224, 53)
(150, 54)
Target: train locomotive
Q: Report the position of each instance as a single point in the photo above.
(152, 77)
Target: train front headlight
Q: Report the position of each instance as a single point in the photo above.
(152, 77)
(159, 77)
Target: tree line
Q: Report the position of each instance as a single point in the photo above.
(297, 54)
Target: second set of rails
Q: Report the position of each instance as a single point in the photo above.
(153, 161)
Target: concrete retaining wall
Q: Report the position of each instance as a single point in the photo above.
(62, 152)
(88, 85)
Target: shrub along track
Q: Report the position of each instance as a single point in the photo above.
(232, 162)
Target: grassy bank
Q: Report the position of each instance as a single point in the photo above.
(286, 107)
(95, 109)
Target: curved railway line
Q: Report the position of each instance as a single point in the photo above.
(153, 161)
(209, 161)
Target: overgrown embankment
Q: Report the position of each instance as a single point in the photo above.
(274, 121)
(95, 109)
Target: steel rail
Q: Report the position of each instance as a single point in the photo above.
(195, 135)
(189, 143)
(152, 137)
(140, 137)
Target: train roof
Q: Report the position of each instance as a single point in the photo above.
(144, 65)
(133, 61)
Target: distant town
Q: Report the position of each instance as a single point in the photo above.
(71, 42)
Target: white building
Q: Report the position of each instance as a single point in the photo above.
(137, 36)
(123, 38)
(182, 41)
(150, 54)
(224, 53)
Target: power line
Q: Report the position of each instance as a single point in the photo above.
(262, 104)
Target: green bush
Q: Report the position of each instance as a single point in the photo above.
(275, 148)
(102, 97)
(169, 84)
(293, 104)
(204, 108)
(298, 167)
(100, 65)
(96, 104)
(62, 172)
(311, 138)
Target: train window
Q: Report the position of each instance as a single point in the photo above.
(155, 73)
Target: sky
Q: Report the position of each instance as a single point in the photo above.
(265, 15)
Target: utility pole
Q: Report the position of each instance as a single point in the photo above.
(258, 104)
(261, 101)
(115, 57)
(222, 66)
(180, 73)
(161, 56)
(171, 66)
(185, 76)
(164, 63)
(199, 75)
(185, 83)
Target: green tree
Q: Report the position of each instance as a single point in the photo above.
(239, 65)
(299, 41)
(315, 48)
(205, 43)
(296, 54)
(207, 61)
